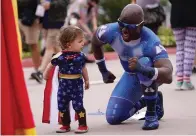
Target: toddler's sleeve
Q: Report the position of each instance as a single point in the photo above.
(55, 59)
(83, 60)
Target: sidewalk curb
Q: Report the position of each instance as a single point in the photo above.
(26, 63)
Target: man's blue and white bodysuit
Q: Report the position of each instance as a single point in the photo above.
(128, 90)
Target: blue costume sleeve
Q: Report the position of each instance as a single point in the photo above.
(54, 61)
(83, 59)
(105, 33)
(157, 52)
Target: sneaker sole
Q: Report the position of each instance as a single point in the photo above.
(154, 128)
(181, 89)
(63, 131)
(178, 88)
(185, 88)
(80, 132)
(194, 71)
(31, 78)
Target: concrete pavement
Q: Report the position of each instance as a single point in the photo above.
(179, 119)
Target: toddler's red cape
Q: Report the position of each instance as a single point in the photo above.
(50, 107)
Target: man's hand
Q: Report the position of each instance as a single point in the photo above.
(142, 67)
(108, 77)
(133, 63)
(46, 5)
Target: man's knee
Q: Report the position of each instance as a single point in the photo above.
(113, 120)
(118, 110)
(120, 116)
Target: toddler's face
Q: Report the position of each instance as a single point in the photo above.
(77, 44)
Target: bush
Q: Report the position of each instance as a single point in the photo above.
(166, 36)
(111, 10)
(165, 31)
(108, 48)
(164, 2)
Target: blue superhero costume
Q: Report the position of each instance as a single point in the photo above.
(128, 90)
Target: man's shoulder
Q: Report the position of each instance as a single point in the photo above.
(109, 27)
(149, 36)
(107, 31)
(146, 32)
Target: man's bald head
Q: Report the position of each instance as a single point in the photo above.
(132, 14)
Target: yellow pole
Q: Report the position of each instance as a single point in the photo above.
(14, 5)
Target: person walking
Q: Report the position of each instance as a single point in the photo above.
(183, 24)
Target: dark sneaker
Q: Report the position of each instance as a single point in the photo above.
(38, 76)
(31, 78)
(159, 106)
(194, 70)
(151, 123)
(42, 52)
(63, 129)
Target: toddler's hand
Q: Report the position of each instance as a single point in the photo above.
(45, 75)
(86, 85)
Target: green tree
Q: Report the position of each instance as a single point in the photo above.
(164, 2)
(111, 9)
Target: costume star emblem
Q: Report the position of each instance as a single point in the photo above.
(81, 114)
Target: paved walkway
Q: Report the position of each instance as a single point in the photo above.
(179, 119)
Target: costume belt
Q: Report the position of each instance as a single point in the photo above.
(70, 76)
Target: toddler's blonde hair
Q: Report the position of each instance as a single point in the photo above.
(68, 34)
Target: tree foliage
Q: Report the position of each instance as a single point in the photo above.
(111, 9)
